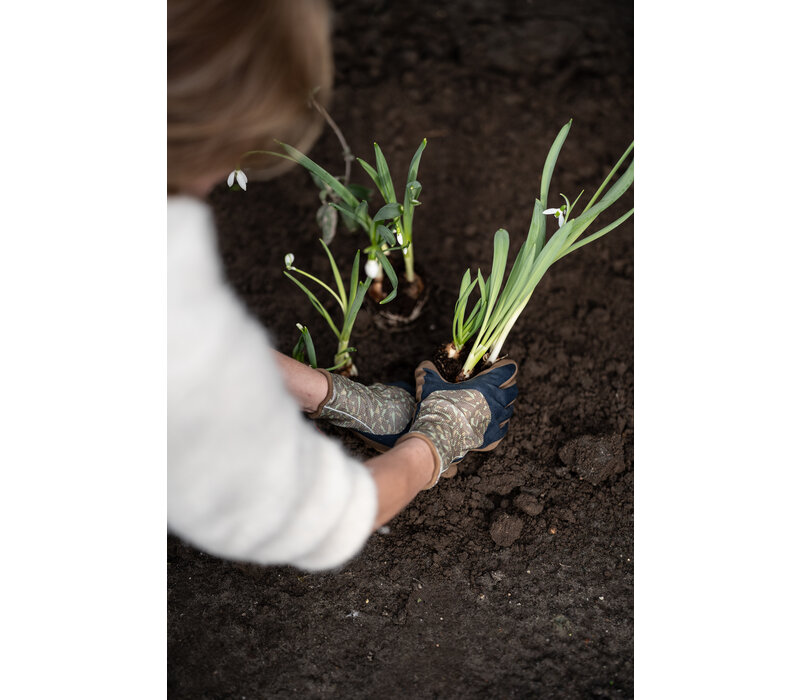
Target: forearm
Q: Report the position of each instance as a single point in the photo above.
(400, 474)
(305, 384)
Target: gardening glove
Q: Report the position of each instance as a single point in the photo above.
(378, 413)
(470, 416)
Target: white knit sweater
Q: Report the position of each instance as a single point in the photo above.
(248, 477)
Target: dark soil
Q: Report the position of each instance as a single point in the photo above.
(409, 301)
(450, 367)
(514, 579)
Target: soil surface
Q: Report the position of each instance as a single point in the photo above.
(514, 579)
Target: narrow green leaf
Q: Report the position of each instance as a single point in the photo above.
(315, 303)
(354, 275)
(598, 234)
(390, 273)
(312, 353)
(550, 162)
(349, 217)
(353, 216)
(609, 176)
(305, 345)
(299, 349)
(339, 300)
(319, 171)
(336, 275)
(414, 167)
(386, 235)
(359, 191)
(495, 278)
(352, 311)
(384, 177)
(481, 285)
(373, 174)
(413, 189)
(465, 280)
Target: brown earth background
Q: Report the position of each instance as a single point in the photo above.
(515, 578)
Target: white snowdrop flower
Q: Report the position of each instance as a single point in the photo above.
(372, 268)
(399, 238)
(556, 212)
(288, 260)
(240, 177)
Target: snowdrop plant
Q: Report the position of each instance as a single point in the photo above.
(381, 238)
(398, 216)
(349, 301)
(499, 306)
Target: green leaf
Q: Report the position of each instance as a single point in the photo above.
(299, 350)
(494, 281)
(336, 275)
(319, 171)
(350, 218)
(591, 213)
(305, 345)
(388, 212)
(550, 162)
(387, 235)
(354, 275)
(384, 177)
(481, 285)
(609, 176)
(315, 303)
(359, 191)
(595, 236)
(390, 273)
(414, 167)
(373, 174)
(312, 353)
(353, 309)
(465, 280)
(413, 189)
(327, 218)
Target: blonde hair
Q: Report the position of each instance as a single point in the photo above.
(239, 76)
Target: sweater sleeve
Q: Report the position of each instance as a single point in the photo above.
(248, 477)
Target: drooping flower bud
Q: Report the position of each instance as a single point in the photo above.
(241, 178)
(288, 260)
(372, 268)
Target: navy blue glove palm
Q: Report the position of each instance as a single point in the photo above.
(471, 416)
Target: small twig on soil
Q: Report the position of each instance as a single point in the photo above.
(346, 152)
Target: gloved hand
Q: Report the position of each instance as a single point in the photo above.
(378, 413)
(470, 416)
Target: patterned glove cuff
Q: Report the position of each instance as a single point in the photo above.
(329, 394)
(437, 460)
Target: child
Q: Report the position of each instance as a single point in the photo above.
(248, 477)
